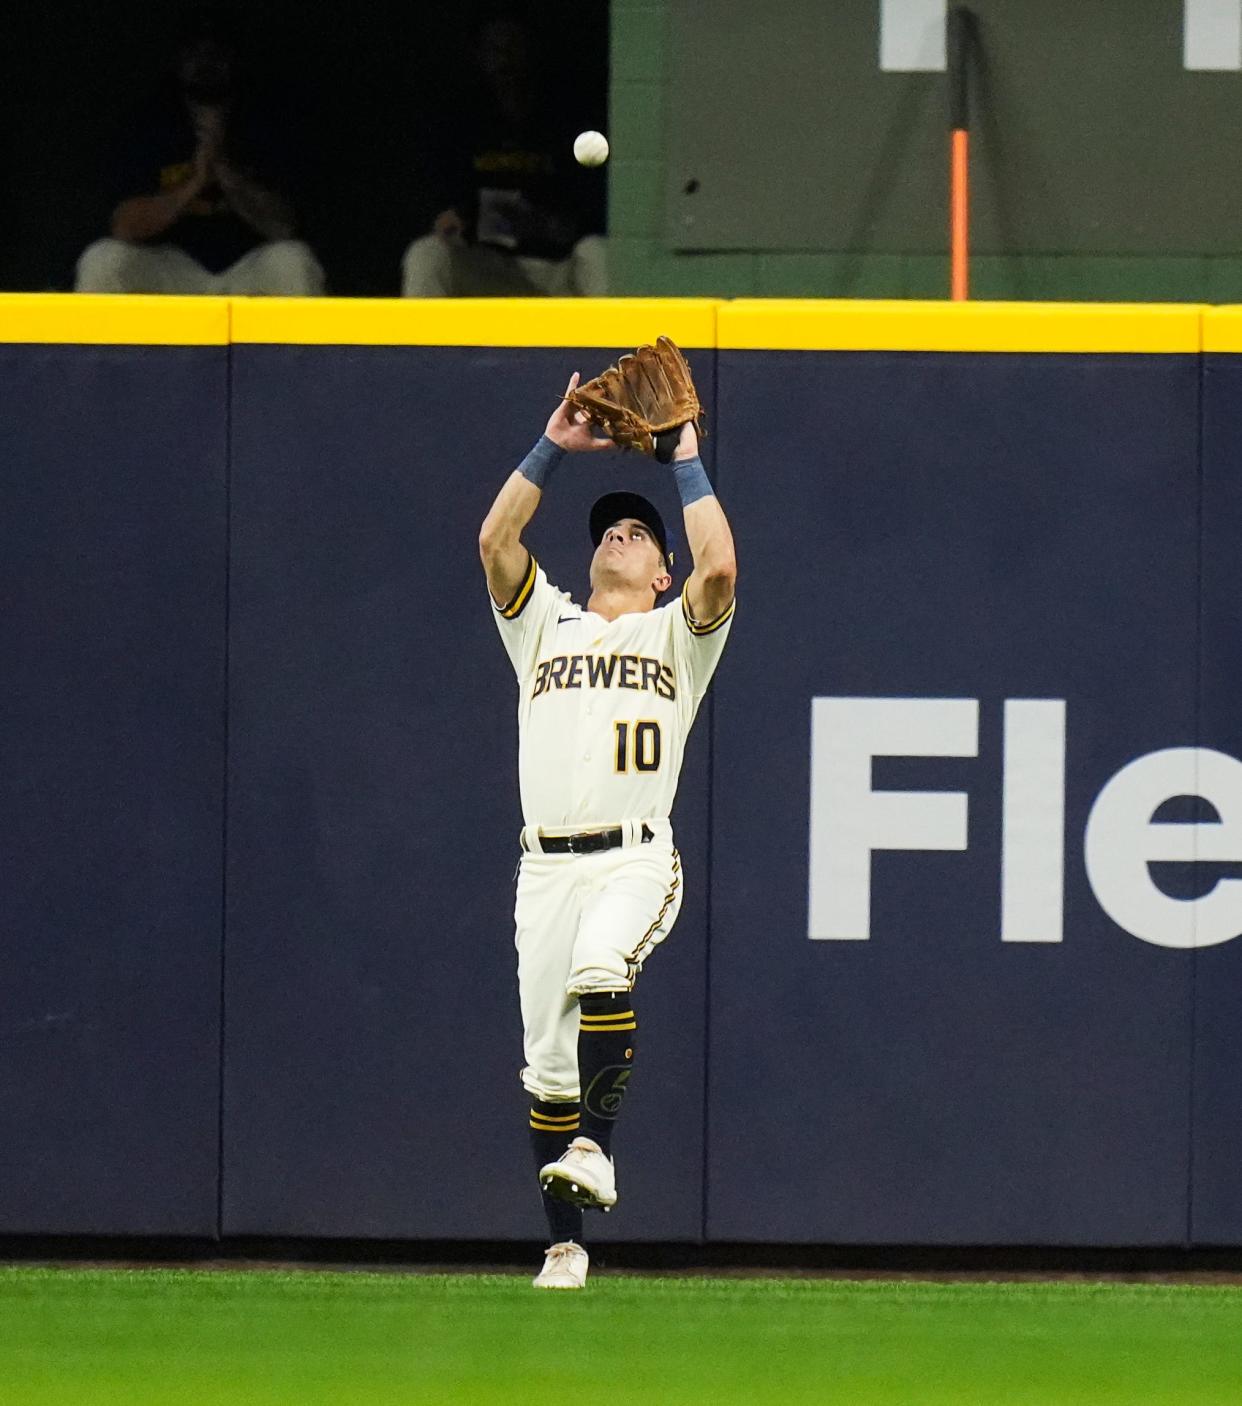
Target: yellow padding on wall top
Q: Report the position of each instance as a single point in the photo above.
(113, 320)
(610, 323)
(1222, 330)
(614, 324)
(797, 325)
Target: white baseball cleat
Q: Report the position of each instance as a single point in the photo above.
(565, 1266)
(582, 1175)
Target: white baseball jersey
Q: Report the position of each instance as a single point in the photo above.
(604, 707)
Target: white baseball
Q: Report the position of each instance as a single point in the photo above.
(590, 148)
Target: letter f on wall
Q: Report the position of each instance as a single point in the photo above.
(849, 820)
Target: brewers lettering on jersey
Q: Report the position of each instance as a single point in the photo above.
(607, 694)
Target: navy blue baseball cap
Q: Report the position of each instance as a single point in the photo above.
(612, 507)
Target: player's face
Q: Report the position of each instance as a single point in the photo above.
(628, 557)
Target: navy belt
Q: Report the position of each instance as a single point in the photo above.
(590, 841)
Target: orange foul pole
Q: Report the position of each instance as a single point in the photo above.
(959, 215)
(959, 33)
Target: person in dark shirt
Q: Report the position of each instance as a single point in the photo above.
(520, 213)
(199, 204)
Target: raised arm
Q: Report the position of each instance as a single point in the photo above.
(709, 590)
(500, 538)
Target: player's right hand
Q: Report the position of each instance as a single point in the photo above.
(572, 430)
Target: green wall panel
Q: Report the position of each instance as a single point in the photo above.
(650, 81)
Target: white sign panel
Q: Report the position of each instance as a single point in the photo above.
(1212, 36)
(912, 36)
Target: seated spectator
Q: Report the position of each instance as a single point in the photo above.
(201, 209)
(520, 210)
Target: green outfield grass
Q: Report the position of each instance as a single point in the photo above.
(91, 1337)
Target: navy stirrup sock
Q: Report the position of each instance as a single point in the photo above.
(606, 1031)
(552, 1127)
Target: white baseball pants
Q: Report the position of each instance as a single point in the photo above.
(586, 922)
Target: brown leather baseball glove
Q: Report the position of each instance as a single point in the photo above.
(643, 401)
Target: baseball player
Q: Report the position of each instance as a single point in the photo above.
(607, 696)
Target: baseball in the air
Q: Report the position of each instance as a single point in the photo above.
(590, 148)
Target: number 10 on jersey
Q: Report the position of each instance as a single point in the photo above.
(638, 746)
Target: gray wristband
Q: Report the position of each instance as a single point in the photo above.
(692, 481)
(542, 459)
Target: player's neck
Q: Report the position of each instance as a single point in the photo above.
(611, 603)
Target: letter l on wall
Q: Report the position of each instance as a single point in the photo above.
(1033, 834)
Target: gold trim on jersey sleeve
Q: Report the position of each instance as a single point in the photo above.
(522, 594)
(708, 626)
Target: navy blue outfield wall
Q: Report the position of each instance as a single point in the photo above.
(1217, 1107)
(962, 823)
(1021, 528)
(112, 618)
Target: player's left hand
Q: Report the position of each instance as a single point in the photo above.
(687, 442)
(572, 430)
